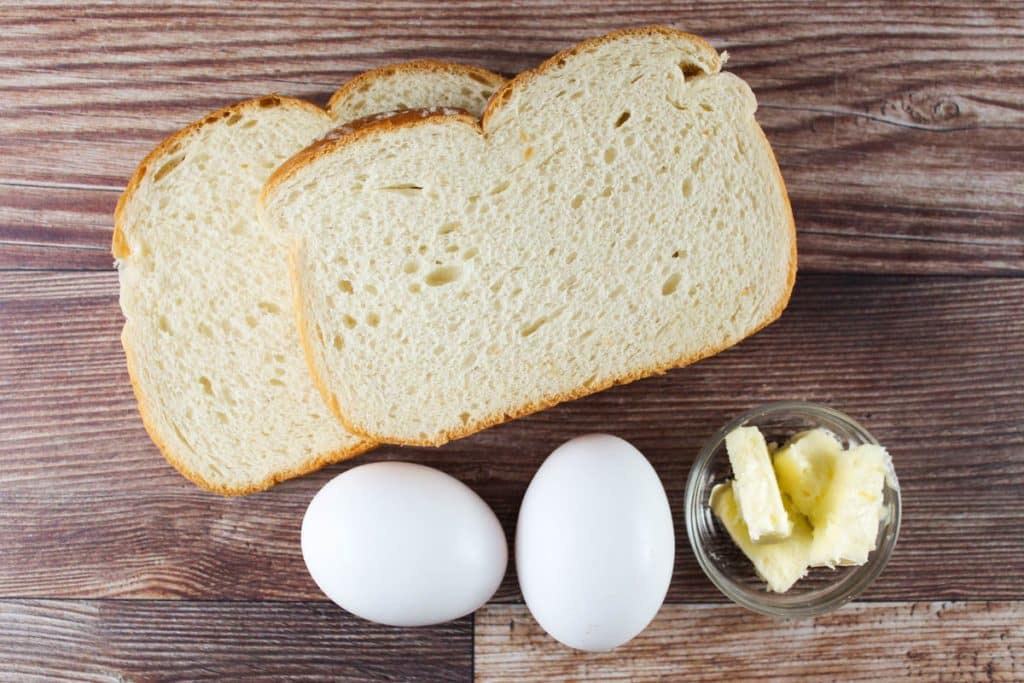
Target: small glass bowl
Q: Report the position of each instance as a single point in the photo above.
(823, 589)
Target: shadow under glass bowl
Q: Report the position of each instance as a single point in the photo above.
(823, 589)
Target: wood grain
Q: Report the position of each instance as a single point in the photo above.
(899, 132)
(137, 640)
(931, 365)
(67, 228)
(937, 641)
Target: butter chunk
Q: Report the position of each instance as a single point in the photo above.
(756, 490)
(780, 564)
(847, 517)
(803, 469)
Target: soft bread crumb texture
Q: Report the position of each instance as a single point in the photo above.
(412, 85)
(619, 213)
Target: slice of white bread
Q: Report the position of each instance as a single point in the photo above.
(411, 85)
(618, 212)
(209, 334)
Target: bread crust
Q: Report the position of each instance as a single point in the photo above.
(476, 73)
(346, 135)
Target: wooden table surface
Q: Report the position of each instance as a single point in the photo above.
(899, 128)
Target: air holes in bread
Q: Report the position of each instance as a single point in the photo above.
(233, 119)
(207, 385)
(268, 102)
(609, 155)
(181, 436)
(690, 71)
(373, 320)
(448, 228)
(267, 307)
(443, 276)
(671, 284)
(167, 167)
(348, 320)
(403, 188)
(164, 325)
(577, 201)
(623, 117)
(345, 286)
(677, 105)
(411, 266)
(688, 188)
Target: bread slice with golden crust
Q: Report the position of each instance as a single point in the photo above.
(209, 335)
(616, 213)
(412, 85)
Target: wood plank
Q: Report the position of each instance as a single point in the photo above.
(931, 365)
(65, 228)
(138, 640)
(935, 641)
(898, 133)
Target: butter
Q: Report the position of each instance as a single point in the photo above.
(847, 516)
(779, 564)
(755, 488)
(803, 468)
(811, 503)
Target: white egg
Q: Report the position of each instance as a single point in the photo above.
(402, 544)
(595, 545)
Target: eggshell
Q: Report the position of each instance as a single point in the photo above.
(595, 545)
(403, 544)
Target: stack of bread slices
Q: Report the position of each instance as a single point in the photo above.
(441, 250)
